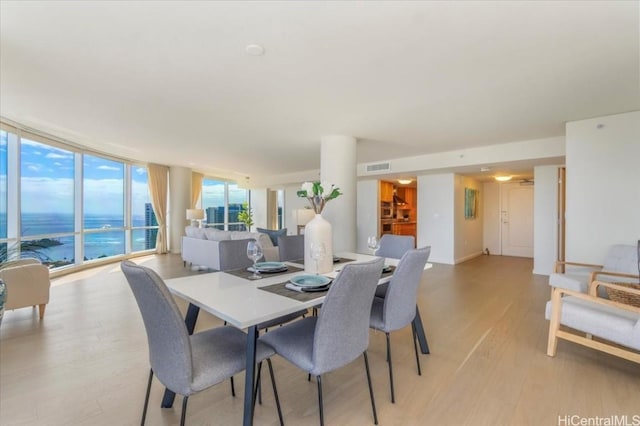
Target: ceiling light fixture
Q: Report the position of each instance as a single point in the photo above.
(503, 178)
(254, 50)
(405, 181)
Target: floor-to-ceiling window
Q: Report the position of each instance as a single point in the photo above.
(103, 198)
(238, 198)
(66, 206)
(222, 202)
(4, 142)
(144, 226)
(47, 202)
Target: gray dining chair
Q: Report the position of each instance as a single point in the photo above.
(393, 246)
(291, 247)
(339, 334)
(398, 308)
(183, 363)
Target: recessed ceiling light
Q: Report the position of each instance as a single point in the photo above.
(254, 50)
(502, 178)
(405, 181)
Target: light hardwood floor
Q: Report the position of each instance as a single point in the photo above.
(86, 362)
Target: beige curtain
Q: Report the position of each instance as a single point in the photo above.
(196, 188)
(158, 188)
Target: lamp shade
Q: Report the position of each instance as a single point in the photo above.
(303, 216)
(195, 214)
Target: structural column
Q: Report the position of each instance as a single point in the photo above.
(338, 166)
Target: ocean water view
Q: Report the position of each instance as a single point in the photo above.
(106, 239)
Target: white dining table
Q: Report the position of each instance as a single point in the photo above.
(241, 303)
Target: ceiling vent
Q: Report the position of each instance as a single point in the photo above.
(378, 167)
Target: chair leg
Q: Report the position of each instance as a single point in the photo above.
(184, 410)
(554, 322)
(319, 379)
(393, 397)
(373, 401)
(275, 391)
(42, 308)
(146, 398)
(233, 388)
(415, 347)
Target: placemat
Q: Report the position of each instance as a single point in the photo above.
(340, 260)
(390, 272)
(243, 273)
(281, 290)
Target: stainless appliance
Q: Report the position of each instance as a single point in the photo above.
(386, 210)
(386, 226)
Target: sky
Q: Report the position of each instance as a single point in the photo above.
(47, 182)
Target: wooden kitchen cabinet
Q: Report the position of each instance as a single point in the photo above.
(386, 191)
(401, 228)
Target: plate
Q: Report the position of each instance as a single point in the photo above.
(268, 267)
(310, 281)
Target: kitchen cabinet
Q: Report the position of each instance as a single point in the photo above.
(386, 191)
(405, 228)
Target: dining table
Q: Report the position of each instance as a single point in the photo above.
(244, 303)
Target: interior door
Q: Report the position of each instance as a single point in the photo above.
(517, 219)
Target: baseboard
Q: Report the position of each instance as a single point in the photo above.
(468, 257)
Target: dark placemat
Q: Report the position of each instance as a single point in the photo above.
(388, 273)
(281, 290)
(243, 273)
(339, 260)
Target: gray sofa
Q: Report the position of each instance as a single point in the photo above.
(223, 250)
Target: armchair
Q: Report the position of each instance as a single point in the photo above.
(621, 264)
(617, 325)
(27, 284)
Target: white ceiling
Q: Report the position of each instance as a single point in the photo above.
(170, 82)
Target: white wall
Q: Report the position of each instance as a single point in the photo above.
(491, 217)
(467, 232)
(603, 185)
(436, 216)
(292, 202)
(259, 207)
(545, 219)
(367, 213)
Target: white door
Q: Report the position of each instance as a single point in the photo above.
(517, 219)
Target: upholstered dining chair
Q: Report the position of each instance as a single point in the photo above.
(291, 247)
(398, 308)
(393, 246)
(339, 334)
(186, 364)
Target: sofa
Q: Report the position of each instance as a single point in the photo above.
(223, 250)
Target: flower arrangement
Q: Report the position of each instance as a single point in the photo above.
(318, 194)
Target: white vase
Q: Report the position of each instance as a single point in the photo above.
(318, 230)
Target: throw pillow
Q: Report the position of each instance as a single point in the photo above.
(273, 234)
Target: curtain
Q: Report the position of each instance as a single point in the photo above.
(158, 186)
(196, 188)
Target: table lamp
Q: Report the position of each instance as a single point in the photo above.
(194, 215)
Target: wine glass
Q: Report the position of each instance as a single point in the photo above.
(318, 252)
(254, 252)
(373, 243)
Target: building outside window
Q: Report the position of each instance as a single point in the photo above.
(222, 202)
